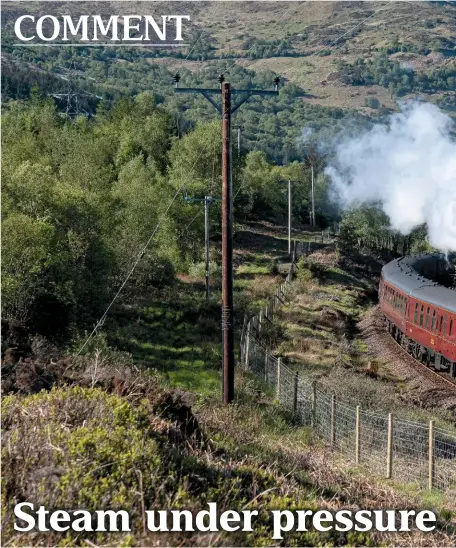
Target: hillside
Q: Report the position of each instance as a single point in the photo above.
(112, 363)
(306, 42)
(344, 65)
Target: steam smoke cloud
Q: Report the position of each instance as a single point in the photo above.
(409, 166)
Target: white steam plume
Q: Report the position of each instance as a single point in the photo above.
(409, 167)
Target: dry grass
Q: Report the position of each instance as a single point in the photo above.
(257, 428)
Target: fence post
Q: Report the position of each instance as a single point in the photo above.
(322, 237)
(389, 448)
(279, 372)
(243, 333)
(260, 319)
(247, 347)
(266, 362)
(333, 417)
(431, 454)
(295, 394)
(357, 436)
(314, 404)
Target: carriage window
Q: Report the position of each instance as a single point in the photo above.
(440, 323)
(445, 324)
(415, 317)
(422, 314)
(433, 320)
(427, 317)
(451, 328)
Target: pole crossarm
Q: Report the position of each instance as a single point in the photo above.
(210, 199)
(225, 110)
(246, 93)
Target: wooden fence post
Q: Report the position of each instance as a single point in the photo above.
(266, 363)
(247, 347)
(295, 394)
(389, 448)
(431, 455)
(243, 336)
(314, 404)
(357, 435)
(333, 421)
(279, 373)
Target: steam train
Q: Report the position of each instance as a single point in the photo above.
(420, 312)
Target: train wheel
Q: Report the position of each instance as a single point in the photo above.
(405, 342)
(418, 353)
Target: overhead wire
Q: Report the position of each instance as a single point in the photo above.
(313, 53)
(139, 256)
(157, 226)
(226, 70)
(198, 38)
(133, 268)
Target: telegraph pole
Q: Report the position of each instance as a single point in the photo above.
(313, 195)
(289, 213)
(207, 202)
(289, 217)
(227, 249)
(315, 159)
(226, 111)
(206, 241)
(239, 128)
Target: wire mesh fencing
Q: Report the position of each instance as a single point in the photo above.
(405, 451)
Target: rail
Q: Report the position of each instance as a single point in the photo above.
(384, 445)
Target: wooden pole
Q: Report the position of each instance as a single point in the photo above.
(266, 362)
(295, 394)
(247, 346)
(314, 404)
(389, 448)
(431, 454)
(333, 421)
(289, 217)
(206, 240)
(279, 373)
(227, 249)
(313, 196)
(357, 435)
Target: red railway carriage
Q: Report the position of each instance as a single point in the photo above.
(420, 313)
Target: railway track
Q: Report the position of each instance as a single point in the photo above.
(430, 373)
(425, 386)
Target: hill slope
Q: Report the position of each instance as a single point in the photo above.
(306, 42)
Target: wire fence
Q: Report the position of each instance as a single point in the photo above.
(386, 446)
